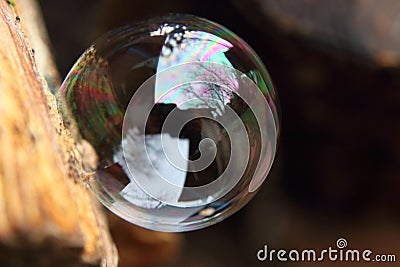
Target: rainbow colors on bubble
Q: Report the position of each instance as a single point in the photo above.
(182, 115)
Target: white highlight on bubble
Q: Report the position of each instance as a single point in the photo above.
(154, 150)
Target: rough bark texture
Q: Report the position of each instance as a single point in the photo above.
(47, 216)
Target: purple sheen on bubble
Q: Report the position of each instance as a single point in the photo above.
(182, 115)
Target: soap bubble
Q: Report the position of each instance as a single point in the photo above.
(182, 115)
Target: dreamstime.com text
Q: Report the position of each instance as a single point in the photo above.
(340, 253)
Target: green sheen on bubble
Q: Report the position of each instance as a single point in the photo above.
(182, 115)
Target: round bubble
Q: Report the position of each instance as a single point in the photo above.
(182, 117)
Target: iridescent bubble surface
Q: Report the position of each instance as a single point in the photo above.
(182, 115)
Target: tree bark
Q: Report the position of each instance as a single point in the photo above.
(47, 215)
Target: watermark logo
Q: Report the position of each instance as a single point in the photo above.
(340, 253)
(341, 243)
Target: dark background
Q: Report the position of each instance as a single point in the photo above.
(336, 66)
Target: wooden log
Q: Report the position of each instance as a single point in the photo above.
(47, 215)
(364, 28)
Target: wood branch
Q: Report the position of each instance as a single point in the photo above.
(34, 29)
(47, 216)
(365, 28)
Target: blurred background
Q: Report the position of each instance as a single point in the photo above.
(336, 66)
